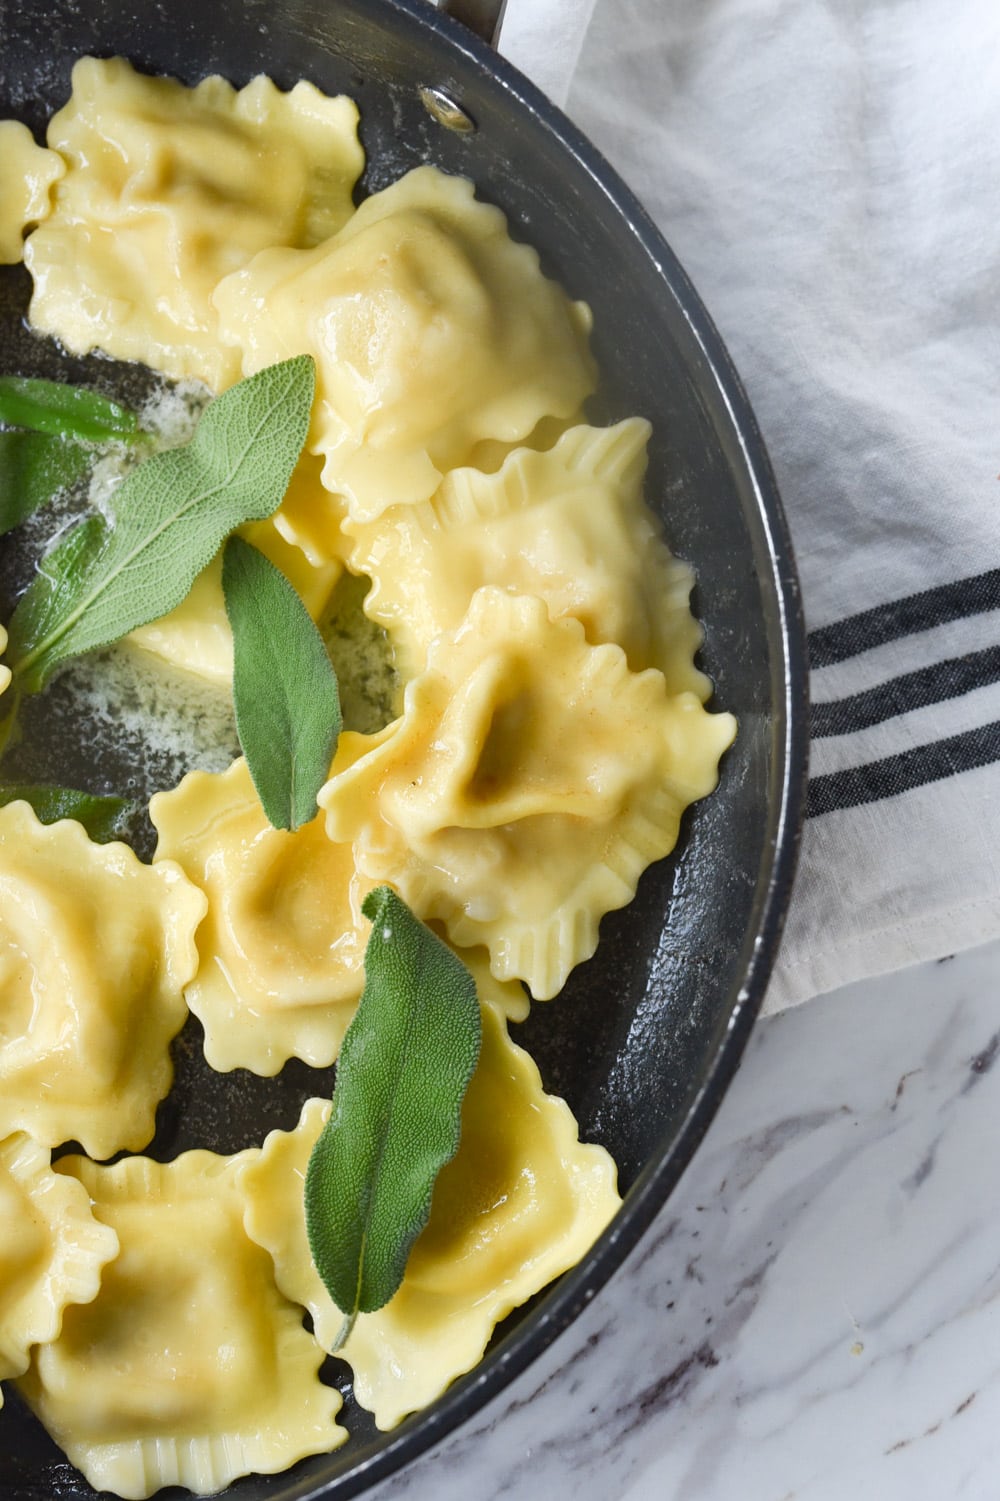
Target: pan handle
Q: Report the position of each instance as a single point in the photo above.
(484, 17)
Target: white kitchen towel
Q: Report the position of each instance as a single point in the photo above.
(544, 39)
(828, 173)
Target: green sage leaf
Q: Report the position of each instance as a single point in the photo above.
(33, 467)
(104, 818)
(284, 686)
(171, 515)
(50, 598)
(403, 1071)
(48, 406)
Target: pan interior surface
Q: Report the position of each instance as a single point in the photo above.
(647, 1034)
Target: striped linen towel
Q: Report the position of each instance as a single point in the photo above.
(828, 174)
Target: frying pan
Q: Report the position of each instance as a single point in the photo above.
(649, 1032)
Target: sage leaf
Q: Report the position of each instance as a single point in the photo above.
(170, 516)
(33, 467)
(104, 818)
(402, 1074)
(48, 406)
(284, 686)
(49, 599)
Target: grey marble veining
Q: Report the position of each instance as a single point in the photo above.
(815, 1314)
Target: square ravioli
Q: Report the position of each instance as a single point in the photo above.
(567, 524)
(529, 781)
(432, 330)
(281, 950)
(95, 951)
(189, 1368)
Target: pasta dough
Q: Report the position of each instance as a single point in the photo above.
(167, 190)
(528, 783)
(431, 328)
(95, 950)
(27, 175)
(52, 1250)
(309, 518)
(281, 951)
(567, 525)
(189, 1368)
(522, 1200)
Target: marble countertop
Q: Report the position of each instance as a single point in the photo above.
(816, 1312)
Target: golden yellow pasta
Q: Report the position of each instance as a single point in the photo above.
(431, 328)
(568, 525)
(528, 783)
(168, 189)
(522, 1201)
(281, 950)
(189, 1368)
(309, 518)
(28, 173)
(52, 1250)
(95, 951)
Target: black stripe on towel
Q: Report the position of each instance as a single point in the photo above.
(911, 690)
(903, 617)
(895, 774)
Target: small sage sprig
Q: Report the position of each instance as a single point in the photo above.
(170, 516)
(402, 1074)
(284, 686)
(65, 424)
(33, 468)
(65, 411)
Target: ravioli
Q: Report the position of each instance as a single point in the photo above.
(281, 950)
(167, 190)
(528, 783)
(522, 1200)
(28, 172)
(432, 331)
(95, 951)
(567, 525)
(189, 1367)
(52, 1250)
(5, 672)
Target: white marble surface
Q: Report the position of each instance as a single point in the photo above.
(815, 1315)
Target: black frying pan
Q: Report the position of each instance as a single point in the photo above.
(649, 1032)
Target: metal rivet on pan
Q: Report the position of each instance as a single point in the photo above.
(442, 108)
